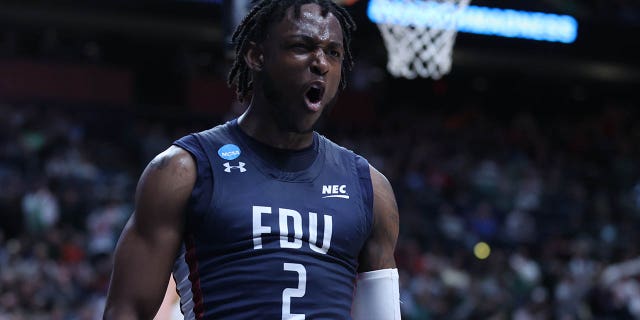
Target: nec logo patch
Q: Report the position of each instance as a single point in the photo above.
(335, 191)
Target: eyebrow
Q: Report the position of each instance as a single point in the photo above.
(306, 38)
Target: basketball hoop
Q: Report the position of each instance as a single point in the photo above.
(419, 34)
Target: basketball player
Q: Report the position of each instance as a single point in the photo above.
(262, 217)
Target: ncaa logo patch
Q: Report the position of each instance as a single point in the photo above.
(229, 152)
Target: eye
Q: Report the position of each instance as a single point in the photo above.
(335, 53)
(299, 47)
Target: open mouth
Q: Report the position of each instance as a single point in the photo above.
(314, 96)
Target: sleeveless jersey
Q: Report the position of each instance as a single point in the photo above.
(262, 243)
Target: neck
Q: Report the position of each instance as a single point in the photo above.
(257, 123)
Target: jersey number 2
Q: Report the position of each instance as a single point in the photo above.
(298, 292)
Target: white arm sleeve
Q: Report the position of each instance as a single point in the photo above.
(377, 296)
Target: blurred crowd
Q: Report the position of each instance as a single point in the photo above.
(556, 197)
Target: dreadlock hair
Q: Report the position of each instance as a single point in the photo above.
(254, 28)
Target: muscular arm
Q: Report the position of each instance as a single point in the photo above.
(378, 250)
(377, 295)
(150, 240)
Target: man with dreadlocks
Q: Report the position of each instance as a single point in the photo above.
(262, 217)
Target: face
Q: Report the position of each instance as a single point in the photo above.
(302, 67)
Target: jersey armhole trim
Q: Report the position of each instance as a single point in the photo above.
(366, 187)
(198, 154)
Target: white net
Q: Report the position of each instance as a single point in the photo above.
(419, 36)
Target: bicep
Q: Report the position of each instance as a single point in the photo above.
(378, 252)
(150, 241)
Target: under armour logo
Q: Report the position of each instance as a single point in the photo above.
(228, 167)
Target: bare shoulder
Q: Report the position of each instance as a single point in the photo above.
(165, 187)
(385, 208)
(174, 166)
(174, 160)
(382, 190)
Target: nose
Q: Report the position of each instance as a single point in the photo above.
(319, 62)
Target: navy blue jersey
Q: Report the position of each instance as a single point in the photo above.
(263, 243)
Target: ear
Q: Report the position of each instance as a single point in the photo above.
(254, 56)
